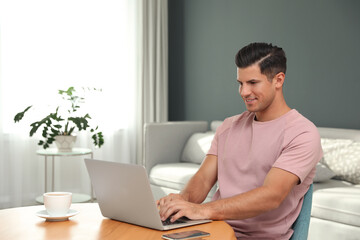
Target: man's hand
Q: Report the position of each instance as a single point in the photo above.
(176, 206)
(169, 198)
(188, 202)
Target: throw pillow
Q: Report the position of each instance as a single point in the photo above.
(331, 146)
(323, 173)
(197, 147)
(344, 161)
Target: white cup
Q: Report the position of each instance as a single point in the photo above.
(57, 203)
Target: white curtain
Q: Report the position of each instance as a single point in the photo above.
(46, 45)
(153, 65)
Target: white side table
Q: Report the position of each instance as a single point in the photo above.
(53, 152)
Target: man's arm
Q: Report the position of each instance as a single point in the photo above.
(198, 186)
(201, 183)
(277, 185)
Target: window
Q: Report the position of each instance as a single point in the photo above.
(48, 45)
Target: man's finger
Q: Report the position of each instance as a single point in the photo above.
(176, 216)
(169, 209)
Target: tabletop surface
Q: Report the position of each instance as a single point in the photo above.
(56, 152)
(23, 223)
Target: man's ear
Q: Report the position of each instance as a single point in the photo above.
(279, 79)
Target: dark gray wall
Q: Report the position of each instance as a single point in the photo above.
(321, 40)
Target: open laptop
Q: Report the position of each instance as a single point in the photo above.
(124, 194)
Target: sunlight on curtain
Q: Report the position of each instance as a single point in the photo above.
(47, 45)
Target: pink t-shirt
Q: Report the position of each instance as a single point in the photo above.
(248, 149)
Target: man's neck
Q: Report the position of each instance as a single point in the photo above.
(265, 118)
(273, 112)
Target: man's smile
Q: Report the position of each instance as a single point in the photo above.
(249, 100)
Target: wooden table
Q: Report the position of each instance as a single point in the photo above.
(23, 223)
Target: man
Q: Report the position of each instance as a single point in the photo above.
(263, 159)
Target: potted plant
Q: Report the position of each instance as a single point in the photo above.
(54, 126)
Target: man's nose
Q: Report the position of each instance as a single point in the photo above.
(244, 91)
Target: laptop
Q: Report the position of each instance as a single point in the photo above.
(123, 193)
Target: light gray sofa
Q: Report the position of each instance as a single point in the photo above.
(174, 151)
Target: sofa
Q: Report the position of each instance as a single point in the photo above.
(173, 152)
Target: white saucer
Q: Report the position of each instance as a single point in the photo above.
(44, 214)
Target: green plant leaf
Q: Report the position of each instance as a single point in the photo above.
(20, 115)
(69, 92)
(80, 122)
(35, 126)
(50, 140)
(44, 133)
(98, 139)
(71, 131)
(55, 131)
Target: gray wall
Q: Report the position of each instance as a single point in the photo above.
(320, 37)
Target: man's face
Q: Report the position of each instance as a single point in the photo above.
(255, 89)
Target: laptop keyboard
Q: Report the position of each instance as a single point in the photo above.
(168, 222)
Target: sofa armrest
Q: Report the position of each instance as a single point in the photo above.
(164, 142)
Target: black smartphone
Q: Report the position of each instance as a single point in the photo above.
(185, 235)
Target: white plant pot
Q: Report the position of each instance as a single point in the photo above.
(65, 143)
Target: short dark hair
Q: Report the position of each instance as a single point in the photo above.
(271, 59)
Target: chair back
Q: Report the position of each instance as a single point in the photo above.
(301, 225)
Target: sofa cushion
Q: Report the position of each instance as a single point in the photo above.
(337, 204)
(323, 173)
(197, 147)
(344, 160)
(172, 175)
(321, 229)
(332, 183)
(175, 176)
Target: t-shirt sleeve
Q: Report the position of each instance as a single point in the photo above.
(214, 148)
(214, 144)
(301, 154)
